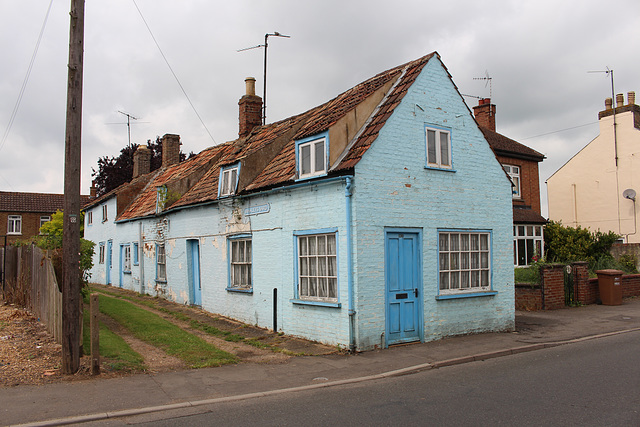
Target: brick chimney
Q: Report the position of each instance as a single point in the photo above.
(170, 150)
(250, 109)
(142, 161)
(93, 190)
(485, 113)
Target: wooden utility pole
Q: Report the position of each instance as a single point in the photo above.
(71, 310)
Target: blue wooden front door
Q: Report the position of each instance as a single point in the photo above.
(403, 277)
(193, 262)
(109, 261)
(121, 284)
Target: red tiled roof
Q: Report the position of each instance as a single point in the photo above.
(501, 145)
(270, 149)
(33, 202)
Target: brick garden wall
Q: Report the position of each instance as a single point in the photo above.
(549, 294)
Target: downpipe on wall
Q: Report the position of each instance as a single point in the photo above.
(352, 312)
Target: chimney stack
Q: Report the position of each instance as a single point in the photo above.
(485, 114)
(619, 100)
(93, 191)
(631, 96)
(250, 109)
(142, 161)
(170, 150)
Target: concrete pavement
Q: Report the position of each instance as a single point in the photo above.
(66, 403)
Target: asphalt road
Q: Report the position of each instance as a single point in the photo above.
(593, 383)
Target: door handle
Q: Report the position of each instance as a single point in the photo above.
(415, 292)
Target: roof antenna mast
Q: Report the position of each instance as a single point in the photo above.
(129, 117)
(264, 85)
(488, 81)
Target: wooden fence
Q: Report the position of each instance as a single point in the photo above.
(30, 282)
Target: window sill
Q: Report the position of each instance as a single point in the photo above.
(467, 295)
(316, 303)
(14, 234)
(161, 280)
(436, 168)
(127, 272)
(240, 291)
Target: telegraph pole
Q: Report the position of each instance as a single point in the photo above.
(71, 310)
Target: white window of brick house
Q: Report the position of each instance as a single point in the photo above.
(43, 220)
(89, 217)
(101, 253)
(14, 224)
(105, 213)
(438, 148)
(317, 267)
(514, 174)
(240, 264)
(311, 157)
(464, 261)
(527, 244)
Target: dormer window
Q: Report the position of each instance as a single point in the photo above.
(229, 180)
(311, 157)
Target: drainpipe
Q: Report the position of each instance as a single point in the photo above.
(352, 312)
(141, 257)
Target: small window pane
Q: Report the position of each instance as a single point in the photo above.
(431, 146)
(319, 156)
(444, 242)
(444, 148)
(305, 159)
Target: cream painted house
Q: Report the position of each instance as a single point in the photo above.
(596, 188)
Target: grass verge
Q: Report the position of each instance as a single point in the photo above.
(208, 329)
(153, 329)
(118, 354)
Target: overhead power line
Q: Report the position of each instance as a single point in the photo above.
(172, 72)
(557, 131)
(26, 79)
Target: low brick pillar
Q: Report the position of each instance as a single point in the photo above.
(552, 281)
(585, 292)
(631, 285)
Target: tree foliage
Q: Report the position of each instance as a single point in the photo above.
(568, 244)
(115, 171)
(51, 238)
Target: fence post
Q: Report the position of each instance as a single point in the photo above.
(95, 335)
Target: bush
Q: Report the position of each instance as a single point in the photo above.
(567, 244)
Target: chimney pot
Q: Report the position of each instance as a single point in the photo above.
(608, 103)
(93, 190)
(631, 96)
(619, 100)
(250, 83)
(250, 109)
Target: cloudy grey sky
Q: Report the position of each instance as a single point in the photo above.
(536, 52)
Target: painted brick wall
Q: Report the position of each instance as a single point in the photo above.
(98, 232)
(393, 189)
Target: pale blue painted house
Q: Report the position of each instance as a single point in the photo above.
(377, 218)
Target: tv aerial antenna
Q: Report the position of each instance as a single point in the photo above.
(129, 118)
(487, 79)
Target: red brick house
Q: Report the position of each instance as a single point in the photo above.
(521, 164)
(22, 214)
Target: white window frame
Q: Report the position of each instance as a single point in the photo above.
(161, 262)
(464, 266)
(105, 213)
(43, 220)
(101, 253)
(315, 146)
(436, 160)
(89, 217)
(528, 241)
(229, 180)
(127, 259)
(317, 266)
(240, 263)
(514, 173)
(14, 224)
